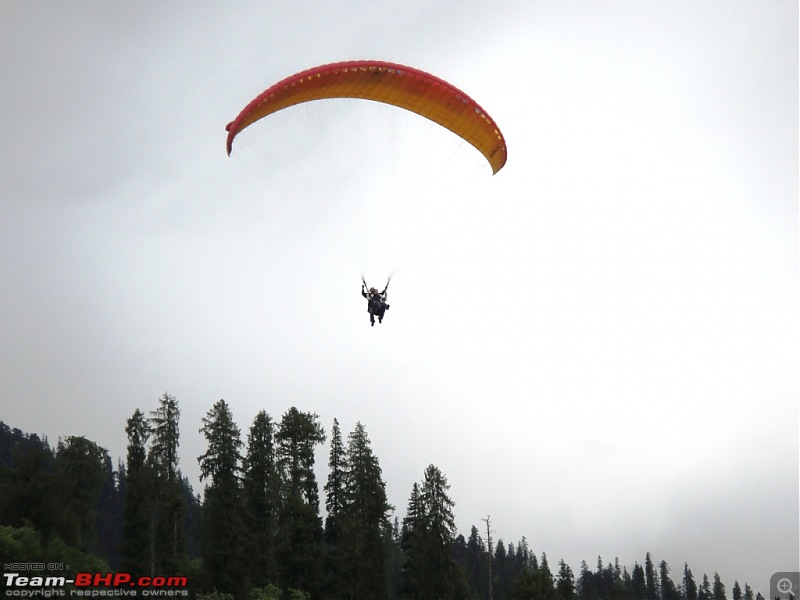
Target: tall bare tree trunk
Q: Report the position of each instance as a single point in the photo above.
(491, 553)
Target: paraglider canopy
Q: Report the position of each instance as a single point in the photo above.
(390, 83)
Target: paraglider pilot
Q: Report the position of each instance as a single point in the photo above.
(376, 302)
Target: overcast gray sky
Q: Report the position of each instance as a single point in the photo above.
(598, 345)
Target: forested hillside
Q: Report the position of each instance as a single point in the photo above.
(259, 530)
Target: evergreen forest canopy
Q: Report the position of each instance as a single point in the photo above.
(258, 533)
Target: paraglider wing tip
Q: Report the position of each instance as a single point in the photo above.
(229, 142)
(498, 161)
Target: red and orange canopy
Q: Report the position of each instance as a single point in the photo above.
(386, 82)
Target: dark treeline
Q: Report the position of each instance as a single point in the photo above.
(258, 532)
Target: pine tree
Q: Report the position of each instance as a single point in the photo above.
(512, 564)
(79, 477)
(621, 581)
(477, 564)
(736, 591)
(525, 558)
(438, 507)
(27, 492)
(668, 589)
(334, 506)
(501, 584)
(545, 586)
(110, 507)
(223, 528)
(526, 585)
(626, 585)
(650, 578)
(300, 536)
(459, 553)
(603, 578)
(192, 520)
(364, 517)
(719, 588)
(261, 486)
(565, 584)
(164, 422)
(689, 585)
(638, 582)
(705, 589)
(334, 488)
(440, 532)
(431, 571)
(748, 592)
(585, 584)
(136, 531)
(413, 534)
(393, 543)
(168, 510)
